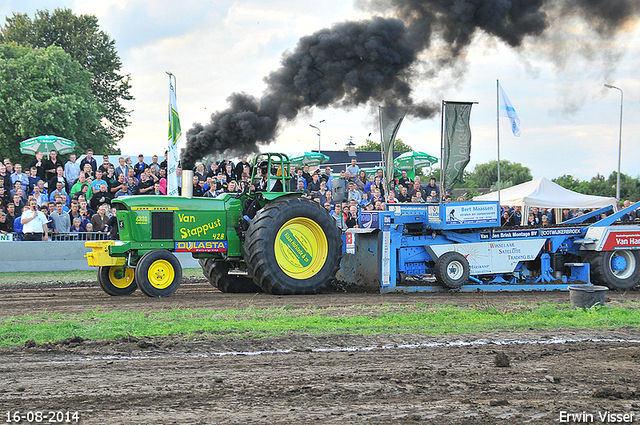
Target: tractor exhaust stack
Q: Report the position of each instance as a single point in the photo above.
(187, 183)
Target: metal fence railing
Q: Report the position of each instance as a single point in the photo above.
(60, 237)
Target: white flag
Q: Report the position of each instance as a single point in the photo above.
(175, 134)
(507, 110)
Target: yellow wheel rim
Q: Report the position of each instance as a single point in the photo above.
(301, 248)
(161, 274)
(120, 278)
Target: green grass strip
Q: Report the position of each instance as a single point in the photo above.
(256, 323)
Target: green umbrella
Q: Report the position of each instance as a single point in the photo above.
(414, 160)
(46, 144)
(308, 158)
(409, 161)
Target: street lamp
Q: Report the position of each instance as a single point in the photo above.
(317, 128)
(619, 138)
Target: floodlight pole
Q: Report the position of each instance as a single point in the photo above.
(619, 138)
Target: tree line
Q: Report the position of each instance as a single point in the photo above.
(60, 75)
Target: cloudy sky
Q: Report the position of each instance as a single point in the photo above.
(570, 121)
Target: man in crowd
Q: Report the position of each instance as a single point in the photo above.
(328, 178)
(61, 220)
(89, 159)
(71, 170)
(77, 186)
(118, 188)
(6, 177)
(154, 161)
(51, 164)
(431, 186)
(121, 168)
(354, 193)
(59, 191)
(240, 168)
(140, 166)
(105, 164)
(145, 187)
(18, 203)
(353, 169)
(38, 196)
(33, 178)
(314, 185)
(59, 177)
(39, 164)
(132, 182)
(101, 197)
(11, 216)
(404, 180)
(34, 223)
(95, 184)
(18, 175)
(99, 221)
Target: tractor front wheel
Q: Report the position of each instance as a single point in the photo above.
(117, 280)
(158, 273)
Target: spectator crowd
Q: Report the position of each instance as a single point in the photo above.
(352, 191)
(49, 199)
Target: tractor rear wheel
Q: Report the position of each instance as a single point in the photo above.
(158, 273)
(217, 272)
(117, 280)
(452, 269)
(618, 269)
(292, 247)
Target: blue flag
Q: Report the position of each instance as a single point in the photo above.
(507, 110)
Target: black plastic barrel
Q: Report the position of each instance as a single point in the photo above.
(585, 296)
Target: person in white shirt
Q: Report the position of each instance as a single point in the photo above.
(34, 223)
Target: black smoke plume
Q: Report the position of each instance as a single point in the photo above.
(376, 61)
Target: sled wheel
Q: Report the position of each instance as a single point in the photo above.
(452, 269)
(618, 269)
(158, 273)
(217, 274)
(117, 280)
(293, 247)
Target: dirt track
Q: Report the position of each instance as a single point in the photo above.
(310, 379)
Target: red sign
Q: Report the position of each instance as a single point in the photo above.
(616, 240)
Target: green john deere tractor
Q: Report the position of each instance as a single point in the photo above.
(264, 239)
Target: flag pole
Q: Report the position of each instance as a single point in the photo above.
(498, 136)
(173, 139)
(441, 152)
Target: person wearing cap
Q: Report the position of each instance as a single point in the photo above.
(140, 166)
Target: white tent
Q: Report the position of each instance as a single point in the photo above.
(544, 193)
